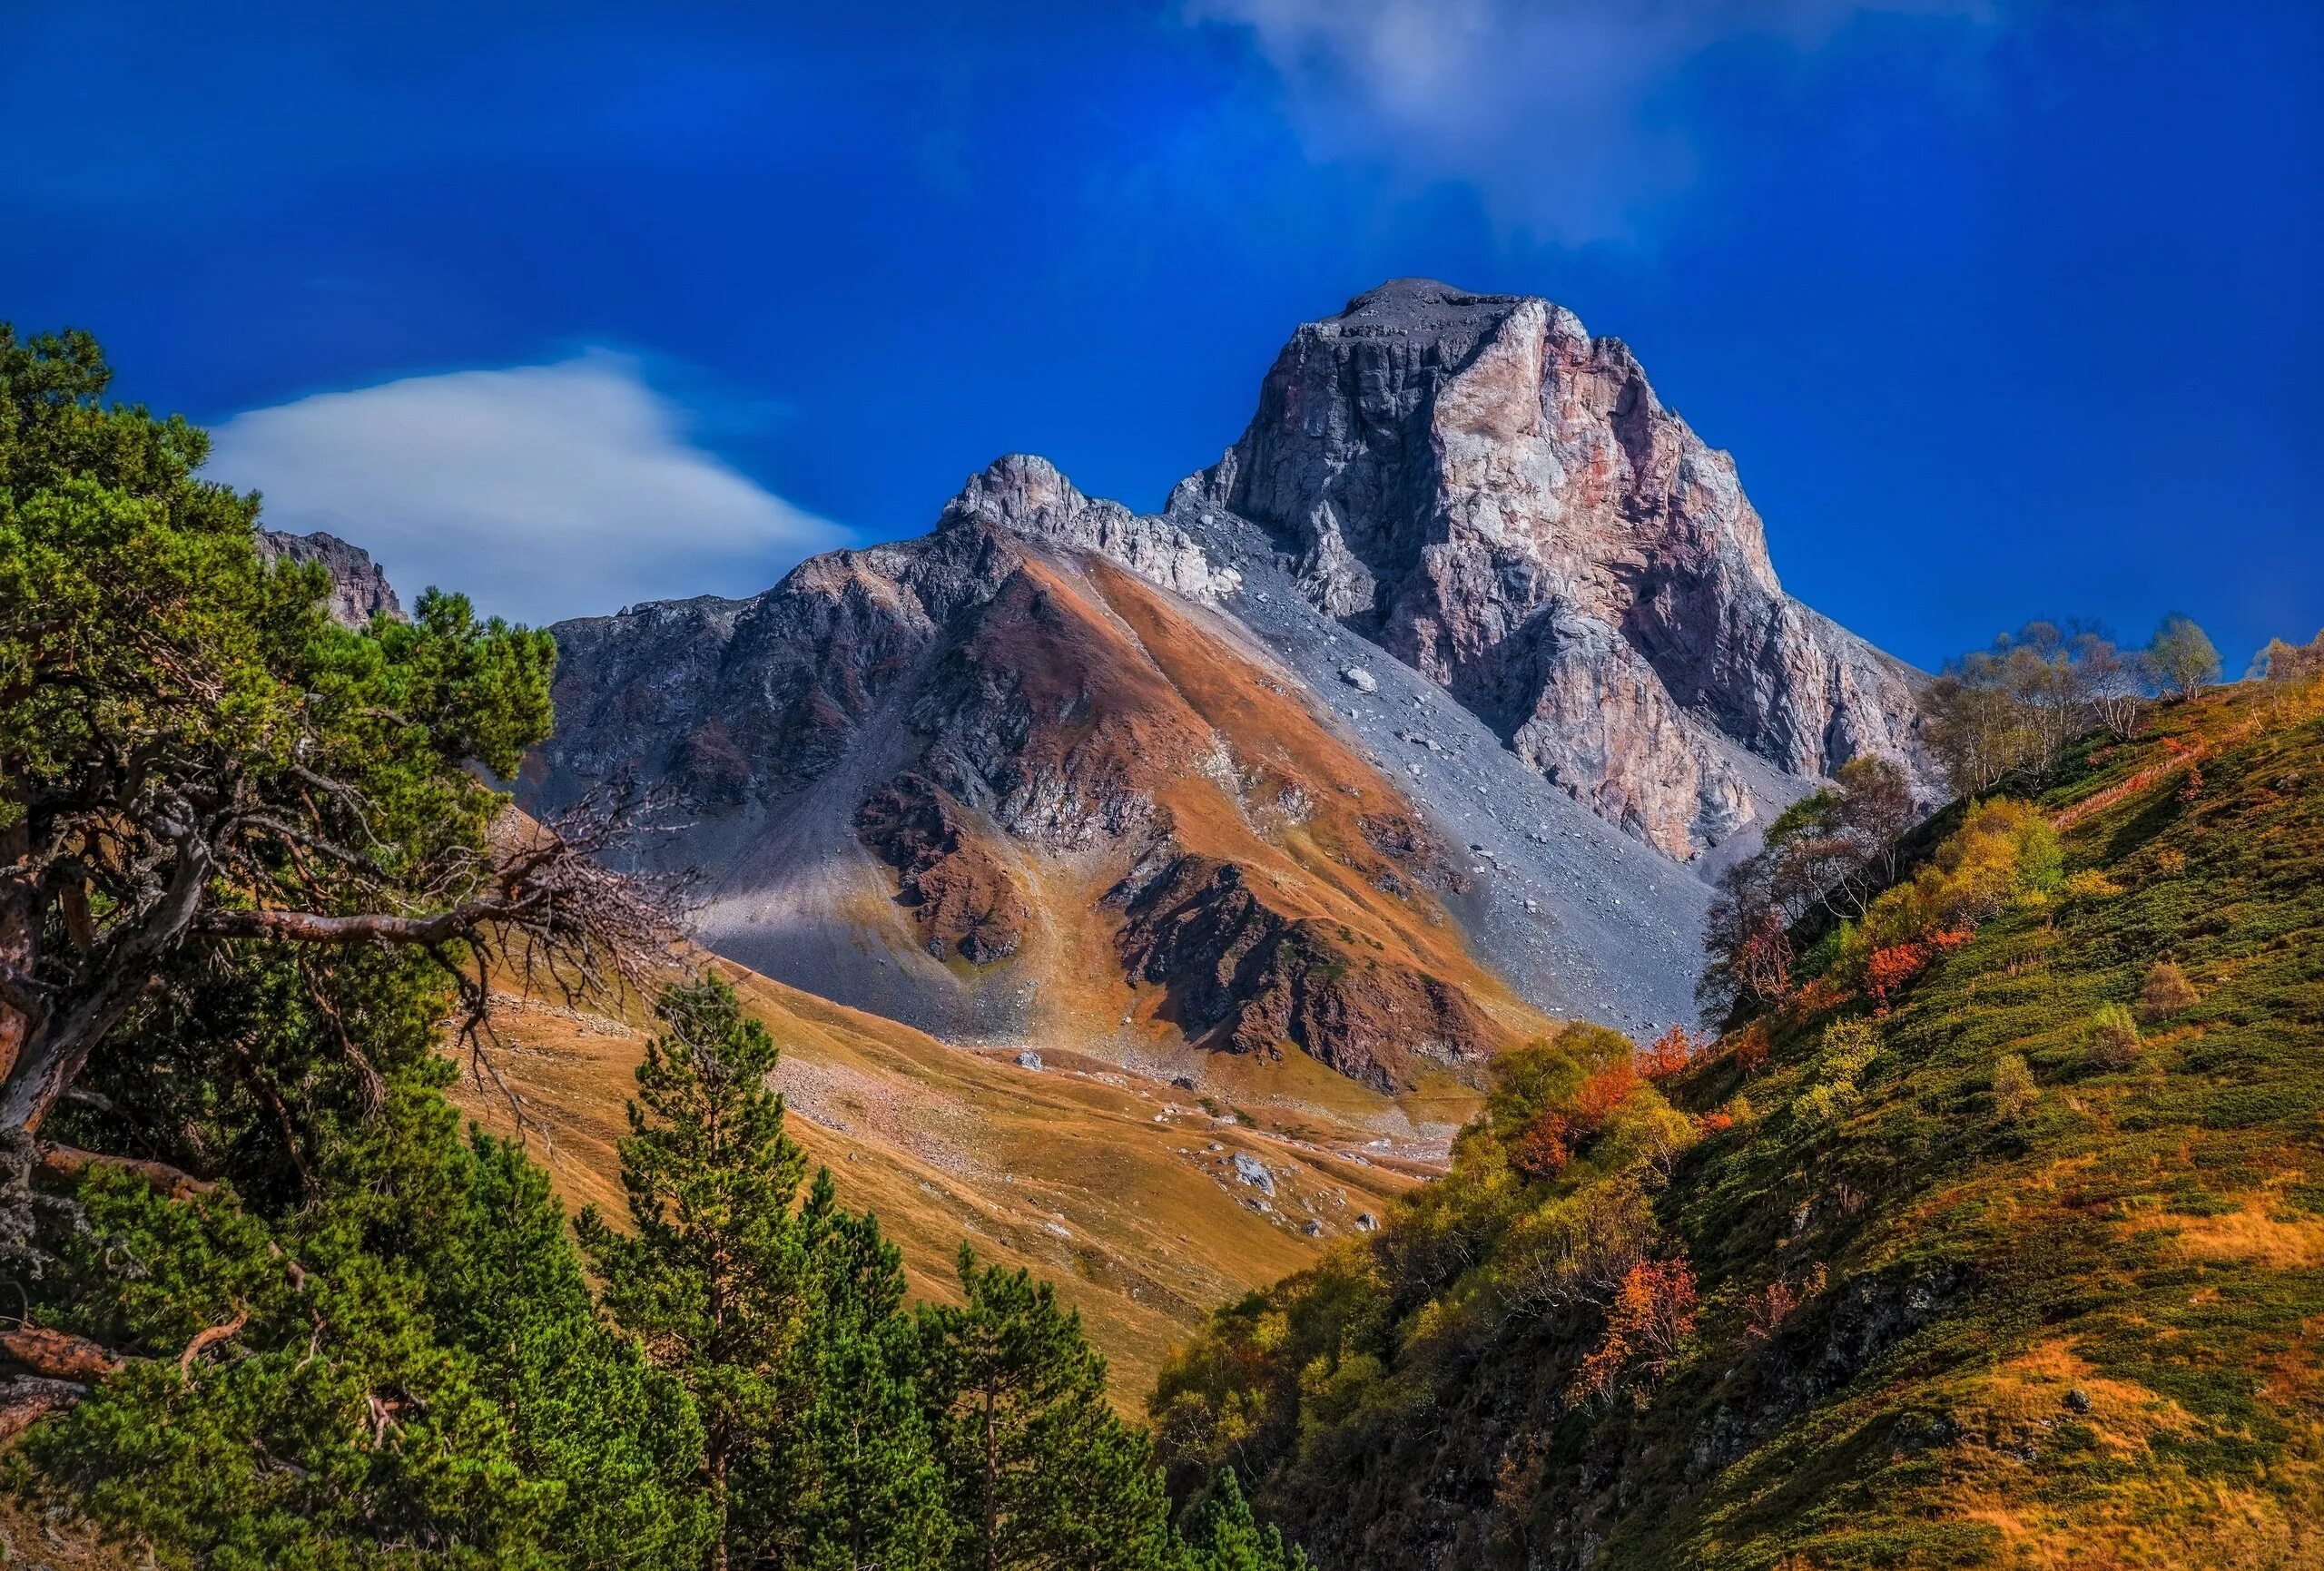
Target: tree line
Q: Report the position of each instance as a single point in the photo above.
(2013, 706)
(263, 1301)
(1820, 898)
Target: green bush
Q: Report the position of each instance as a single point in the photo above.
(1845, 1050)
(2015, 1093)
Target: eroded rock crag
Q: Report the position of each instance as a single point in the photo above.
(359, 587)
(1500, 500)
(1252, 979)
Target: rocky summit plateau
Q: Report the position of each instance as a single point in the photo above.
(1499, 500)
(1419, 717)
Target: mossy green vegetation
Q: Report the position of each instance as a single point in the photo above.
(2005, 1251)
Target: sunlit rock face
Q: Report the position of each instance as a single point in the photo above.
(1501, 501)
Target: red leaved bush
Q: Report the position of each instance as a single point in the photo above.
(1817, 995)
(1747, 1048)
(1887, 971)
(1604, 1091)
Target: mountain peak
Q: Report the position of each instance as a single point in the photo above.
(1022, 492)
(1501, 501)
(1028, 496)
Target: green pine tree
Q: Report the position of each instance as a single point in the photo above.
(621, 1439)
(716, 1281)
(406, 1368)
(1226, 1537)
(289, 1398)
(1043, 1472)
(852, 1482)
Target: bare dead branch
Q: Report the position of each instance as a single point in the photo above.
(68, 1164)
(203, 1341)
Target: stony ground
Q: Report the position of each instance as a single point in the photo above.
(1583, 920)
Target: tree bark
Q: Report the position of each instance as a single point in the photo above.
(65, 1164)
(364, 927)
(716, 1462)
(203, 1341)
(27, 1400)
(991, 1485)
(49, 1059)
(59, 1355)
(19, 935)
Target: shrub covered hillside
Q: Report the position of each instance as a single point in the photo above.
(1993, 1241)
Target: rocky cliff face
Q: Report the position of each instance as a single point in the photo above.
(1501, 501)
(360, 586)
(1258, 981)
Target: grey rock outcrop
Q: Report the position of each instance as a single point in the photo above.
(1250, 1170)
(360, 586)
(1026, 495)
(1501, 501)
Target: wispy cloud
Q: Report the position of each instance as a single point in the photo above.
(1556, 110)
(541, 492)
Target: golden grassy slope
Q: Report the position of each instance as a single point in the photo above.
(1106, 1182)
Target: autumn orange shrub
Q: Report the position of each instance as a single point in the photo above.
(1604, 1091)
(1818, 995)
(1887, 970)
(1544, 1147)
(1667, 1056)
(1650, 1320)
(1748, 1048)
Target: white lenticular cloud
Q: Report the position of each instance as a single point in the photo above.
(1549, 108)
(541, 492)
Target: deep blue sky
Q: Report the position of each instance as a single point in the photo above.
(2005, 308)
